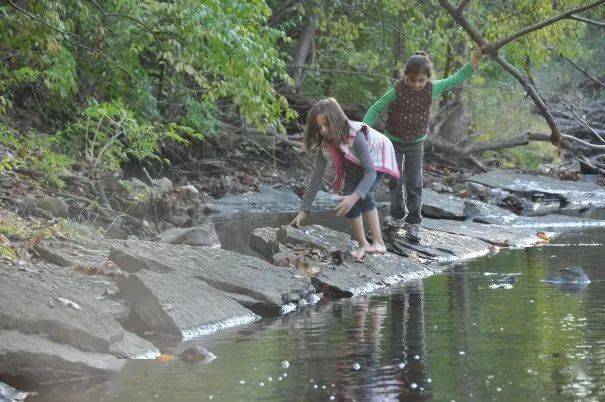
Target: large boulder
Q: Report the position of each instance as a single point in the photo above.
(201, 235)
(257, 285)
(31, 359)
(67, 307)
(179, 305)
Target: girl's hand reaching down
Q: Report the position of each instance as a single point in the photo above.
(346, 204)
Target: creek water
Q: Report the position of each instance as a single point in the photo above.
(448, 337)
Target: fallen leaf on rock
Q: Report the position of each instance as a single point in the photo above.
(165, 358)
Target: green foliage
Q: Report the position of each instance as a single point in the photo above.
(108, 134)
(32, 151)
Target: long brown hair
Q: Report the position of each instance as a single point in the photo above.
(338, 124)
(419, 63)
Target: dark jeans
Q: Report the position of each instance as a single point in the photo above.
(353, 177)
(411, 176)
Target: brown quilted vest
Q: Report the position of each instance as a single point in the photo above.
(408, 115)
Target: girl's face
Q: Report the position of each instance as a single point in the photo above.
(322, 123)
(416, 81)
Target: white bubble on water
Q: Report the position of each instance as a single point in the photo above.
(417, 357)
(413, 385)
(279, 378)
(462, 353)
(356, 366)
(285, 364)
(498, 389)
(242, 381)
(284, 375)
(429, 380)
(332, 397)
(401, 365)
(323, 387)
(210, 396)
(262, 384)
(315, 386)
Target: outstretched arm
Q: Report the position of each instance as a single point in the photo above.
(441, 86)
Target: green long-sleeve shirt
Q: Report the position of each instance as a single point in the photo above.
(439, 87)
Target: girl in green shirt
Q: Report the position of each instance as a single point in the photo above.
(408, 105)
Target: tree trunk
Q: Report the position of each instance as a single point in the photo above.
(398, 50)
(303, 48)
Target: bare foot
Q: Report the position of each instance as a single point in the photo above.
(377, 248)
(360, 253)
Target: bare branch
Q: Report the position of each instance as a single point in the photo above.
(462, 5)
(566, 14)
(129, 17)
(346, 72)
(588, 21)
(40, 20)
(595, 79)
(522, 139)
(580, 119)
(460, 20)
(531, 91)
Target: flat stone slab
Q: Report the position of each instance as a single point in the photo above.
(322, 254)
(558, 223)
(573, 193)
(482, 212)
(180, 305)
(34, 359)
(442, 206)
(70, 308)
(268, 199)
(497, 235)
(437, 246)
(84, 253)
(269, 287)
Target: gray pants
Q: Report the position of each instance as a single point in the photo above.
(412, 177)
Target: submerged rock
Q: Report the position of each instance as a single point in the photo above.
(573, 275)
(197, 354)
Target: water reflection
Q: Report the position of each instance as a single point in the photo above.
(532, 342)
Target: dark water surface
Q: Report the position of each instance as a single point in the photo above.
(448, 337)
